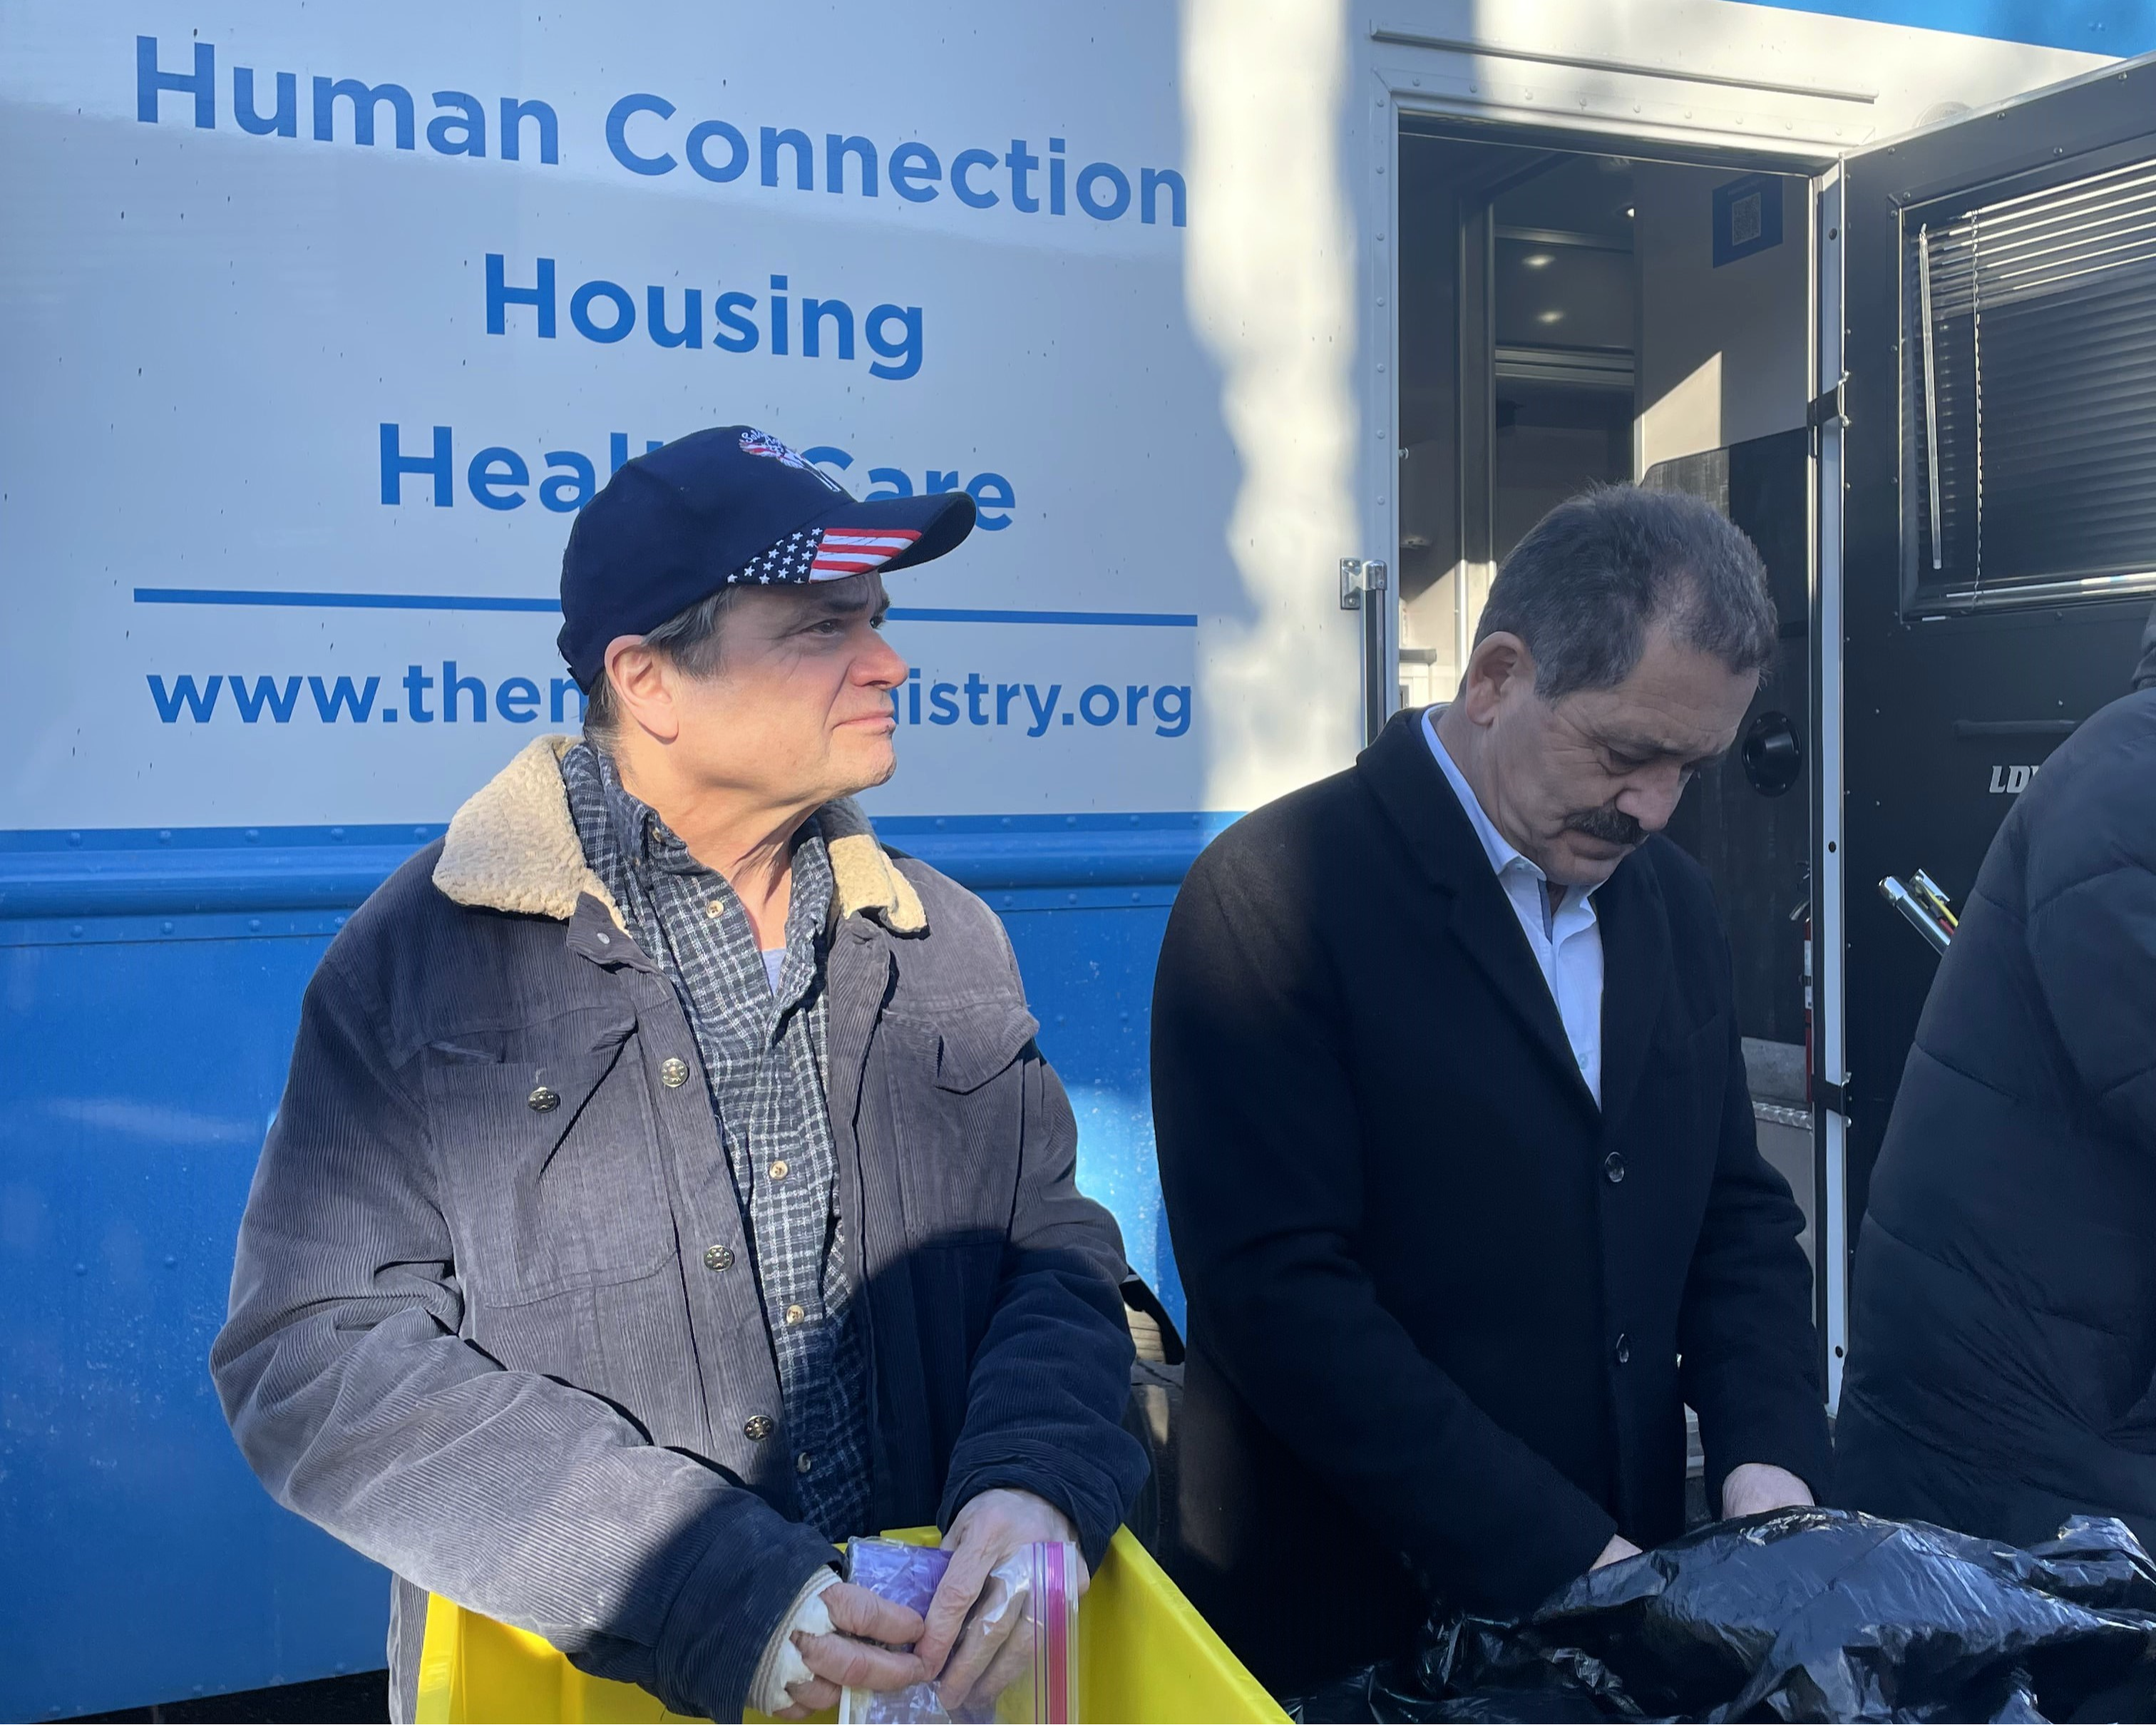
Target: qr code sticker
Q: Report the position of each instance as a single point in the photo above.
(1744, 218)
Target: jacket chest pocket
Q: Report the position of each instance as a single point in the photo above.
(551, 1154)
(957, 1096)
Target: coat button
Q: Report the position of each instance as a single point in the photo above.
(1613, 1165)
(718, 1257)
(794, 1315)
(673, 1072)
(804, 1463)
(1623, 1350)
(543, 1101)
(778, 1171)
(758, 1427)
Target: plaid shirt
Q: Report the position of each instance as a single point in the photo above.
(763, 1056)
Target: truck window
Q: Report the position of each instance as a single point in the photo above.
(2028, 377)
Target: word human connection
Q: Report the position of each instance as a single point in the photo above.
(644, 136)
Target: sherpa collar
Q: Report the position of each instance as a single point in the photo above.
(513, 846)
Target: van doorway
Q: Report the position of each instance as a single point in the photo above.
(1570, 317)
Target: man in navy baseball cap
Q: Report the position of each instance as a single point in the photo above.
(729, 1206)
(729, 506)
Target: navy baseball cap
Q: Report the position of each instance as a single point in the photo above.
(722, 508)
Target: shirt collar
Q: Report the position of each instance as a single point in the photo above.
(645, 840)
(1503, 854)
(1500, 849)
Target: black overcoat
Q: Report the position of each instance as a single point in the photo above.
(1438, 1297)
(2002, 1370)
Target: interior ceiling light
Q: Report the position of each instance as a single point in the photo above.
(1549, 317)
(1629, 211)
(1537, 260)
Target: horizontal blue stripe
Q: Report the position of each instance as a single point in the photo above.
(2110, 26)
(229, 871)
(1133, 619)
(339, 601)
(477, 602)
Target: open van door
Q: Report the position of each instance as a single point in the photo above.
(1986, 535)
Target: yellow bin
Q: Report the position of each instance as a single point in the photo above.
(1144, 1657)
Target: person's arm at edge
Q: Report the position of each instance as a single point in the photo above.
(2091, 932)
(1052, 1374)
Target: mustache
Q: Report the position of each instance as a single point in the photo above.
(1610, 826)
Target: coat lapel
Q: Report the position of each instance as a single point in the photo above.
(1416, 796)
(1635, 975)
(1483, 922)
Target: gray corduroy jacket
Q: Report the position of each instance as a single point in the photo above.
(489, 1328)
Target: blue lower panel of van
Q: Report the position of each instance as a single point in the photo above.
(149, 987)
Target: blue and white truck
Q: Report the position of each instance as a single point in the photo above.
(1257, 329)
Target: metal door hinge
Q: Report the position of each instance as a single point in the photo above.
(1359, 576)
(1828, 407)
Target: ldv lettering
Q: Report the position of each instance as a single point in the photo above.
(2011, 781)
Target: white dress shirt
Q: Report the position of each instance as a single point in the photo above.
(1567, 942)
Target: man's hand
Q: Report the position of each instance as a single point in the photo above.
(1619, 1548)
(846, 1658)
(983, 1653)
(1755, 1487)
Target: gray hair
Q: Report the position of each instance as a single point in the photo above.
(1598, 571)
(689, 637)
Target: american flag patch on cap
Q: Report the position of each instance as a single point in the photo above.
(855, 551)
(824, 554)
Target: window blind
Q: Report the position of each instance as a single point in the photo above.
(2029, 396)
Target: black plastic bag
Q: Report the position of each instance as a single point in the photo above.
(1802, 1614)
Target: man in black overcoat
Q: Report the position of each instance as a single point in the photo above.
(1458, 1152)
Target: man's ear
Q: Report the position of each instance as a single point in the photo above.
(1500, 665)
(643, 682)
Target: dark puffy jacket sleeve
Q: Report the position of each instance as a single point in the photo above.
(354, 1399)
(2091, 923)
(1051, 1376)
(1261, 1158)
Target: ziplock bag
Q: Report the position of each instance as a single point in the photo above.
(1017, 1653)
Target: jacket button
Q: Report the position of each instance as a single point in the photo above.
(804, 1463)
(794, 1315)
(543, 1101)
(778, 1171)
(1613, 1165)
(718, 1257)
(673, 1072)
(1623, 1350)
(758, 1427)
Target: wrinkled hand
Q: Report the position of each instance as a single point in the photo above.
(1757, 1486)
(848, 1659)
(1619, 1548)
(966, 1649)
